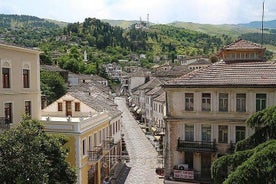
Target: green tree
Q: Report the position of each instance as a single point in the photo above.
(30, 155)
(52, 85)
(254, 159)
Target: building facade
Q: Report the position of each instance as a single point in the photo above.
(207, 109)
(93, 131)
(20, 85)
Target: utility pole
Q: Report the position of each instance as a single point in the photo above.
(263, 23)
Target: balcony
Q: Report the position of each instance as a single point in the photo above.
(196, 146)
(108, 143)
(4, 123)
(95, 154)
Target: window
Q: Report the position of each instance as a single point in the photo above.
(260, 102)
(26, 78)
(223, 102)
(206, 102)
(83, 147)
(240, 133)
(223, 134)
(90, 143)
(59, 106)
(28, 108)
(6, 77)
(77, 106)
(240, 102)
(189, 101)
(95, 139)
(8, 113)
(206, 133)
(189, 132)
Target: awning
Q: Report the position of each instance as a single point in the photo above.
(153, 129)
(139, 110)
(133, 105)
(161, 133)
(136, 108)
(157, 138)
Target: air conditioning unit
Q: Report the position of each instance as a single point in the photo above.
(183, 166)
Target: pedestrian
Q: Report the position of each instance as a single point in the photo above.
(106, 181)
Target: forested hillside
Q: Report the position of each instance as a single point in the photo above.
(65, 43)
(28, 31)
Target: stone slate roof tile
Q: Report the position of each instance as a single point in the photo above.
(161, 97)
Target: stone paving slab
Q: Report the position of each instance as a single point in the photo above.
(142, 154)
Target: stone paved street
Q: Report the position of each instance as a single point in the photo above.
(143, 156)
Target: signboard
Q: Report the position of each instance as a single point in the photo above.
(182, 174)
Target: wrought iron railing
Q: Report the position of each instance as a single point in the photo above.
(95, 154)
(197, 146)
(108, 143)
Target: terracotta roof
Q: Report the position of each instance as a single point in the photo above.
(242, 44)
(239, 74)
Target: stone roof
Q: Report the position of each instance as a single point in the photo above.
(52, 68)
(93, 87)
(97, 102)
(161, 97)
(155, 91)
(141, 72)
(236, 74)
(242, 44)
(87, 77)
(154, 82)
(201, 61)
(175, 71)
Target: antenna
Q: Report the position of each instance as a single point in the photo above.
(147, 20)
(263, 23)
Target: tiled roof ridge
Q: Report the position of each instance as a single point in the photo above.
(239, 40)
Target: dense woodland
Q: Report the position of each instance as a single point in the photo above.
(64, 44)
(104, 43)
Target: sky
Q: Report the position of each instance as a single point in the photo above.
(159, 11)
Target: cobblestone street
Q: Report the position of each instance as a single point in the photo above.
(143, 156)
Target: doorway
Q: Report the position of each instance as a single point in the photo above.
(205, 165)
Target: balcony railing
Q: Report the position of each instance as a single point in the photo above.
(196, 146)
(95, 154)
(108, 143)
(4, 123)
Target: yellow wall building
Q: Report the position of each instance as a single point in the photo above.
(93, 129)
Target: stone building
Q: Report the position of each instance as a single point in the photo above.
(207, 109)
(20, 85)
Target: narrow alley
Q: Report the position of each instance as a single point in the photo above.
(142, 154)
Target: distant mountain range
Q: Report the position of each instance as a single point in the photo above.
(234, 30)
(255, 24)
(258, 24)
